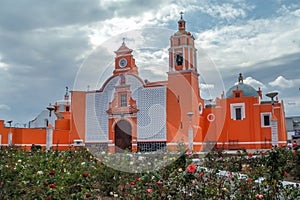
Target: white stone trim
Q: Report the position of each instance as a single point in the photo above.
(29, 145)
(121, 55)
(257, 142)
(182, 46)
(10, 138)
(198, 143)
(195, 59)
(233, 108)
(220, 143)
(189, 59)
(184, 58)
(262, 121)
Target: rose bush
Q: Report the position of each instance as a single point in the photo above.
(76, 174)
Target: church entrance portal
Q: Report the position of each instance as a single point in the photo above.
(123, 136)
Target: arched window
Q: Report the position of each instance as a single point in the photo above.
(179, 59)
(123, 100)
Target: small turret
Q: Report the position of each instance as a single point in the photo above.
(124, 61)
(181, 23)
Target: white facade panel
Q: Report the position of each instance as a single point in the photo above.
(151, 118)
(96, 129)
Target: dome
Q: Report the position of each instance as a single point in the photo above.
(246, 89)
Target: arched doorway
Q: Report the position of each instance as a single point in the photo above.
(123, 136)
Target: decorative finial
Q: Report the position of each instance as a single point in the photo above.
(67, 93)
(123, 39)
(240, 79)
(181, 13)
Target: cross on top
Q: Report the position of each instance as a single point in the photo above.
(181, 13)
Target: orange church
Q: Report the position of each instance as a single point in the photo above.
(127, 113)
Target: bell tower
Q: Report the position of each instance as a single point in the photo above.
(182, 53)
(124, 61)
(183, 88)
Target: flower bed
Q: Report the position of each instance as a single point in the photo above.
(76, 174)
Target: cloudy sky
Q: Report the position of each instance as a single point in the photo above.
(44, 45)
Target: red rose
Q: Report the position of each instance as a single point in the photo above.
(229, 175)
(85, 174)
(158, 183)
(87, 195)
(132, 183)
(47, 198)
(52, 185)
(250, 154)
(201, 174)
(191, 168)
(45, 184)
(137, 178)
(285, 173)
(52, 172)
(249, 180)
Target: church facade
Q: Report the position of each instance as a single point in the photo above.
(127, 113)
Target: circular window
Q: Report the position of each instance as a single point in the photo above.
(200, 108)
(211, 117)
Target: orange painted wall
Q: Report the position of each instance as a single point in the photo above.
(62, 124)
(246, 131)
(185, 99)
(27, 136)
(78, 114)
(61, 139)
(3, 132)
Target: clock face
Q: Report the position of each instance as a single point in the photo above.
(123, 63)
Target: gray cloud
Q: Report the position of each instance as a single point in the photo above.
(33, 14)
(42, 44)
